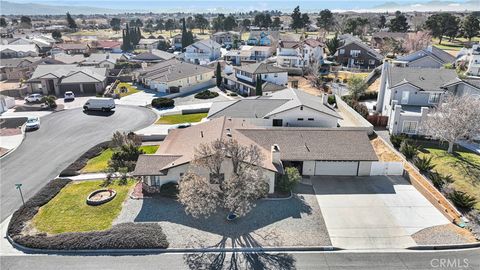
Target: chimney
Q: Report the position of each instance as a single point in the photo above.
(201, 133)
(275, 154)
(325, 99)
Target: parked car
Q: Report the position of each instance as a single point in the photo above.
(99, 104)
(33, 98)
(33, 122)
(69, 95)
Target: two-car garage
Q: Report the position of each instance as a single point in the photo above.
(329, 167)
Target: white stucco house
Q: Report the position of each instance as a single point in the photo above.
(202, 52)
(299, 54)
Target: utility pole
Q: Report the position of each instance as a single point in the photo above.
(19, 187)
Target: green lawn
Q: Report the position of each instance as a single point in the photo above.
(69, 212)
(463, 165)
(131, 89)
(100, 162)
(181, 118)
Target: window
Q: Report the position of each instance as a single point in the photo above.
(310, 119)
(341, 51)
(405, 96)
(181, 174)
(371, 62)
(434, 97)
(275, 75)
(216, 178)
(409, 127)
(354, 53)
(300, 119)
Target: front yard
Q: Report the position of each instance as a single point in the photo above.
(130, 89)
(181, 118)
(100, 162)
(463, 165)
(69, 212)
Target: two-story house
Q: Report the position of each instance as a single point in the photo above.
(406, 95)
(263, 38)
(147, 44)
(430, 57)
(226, 38)
(356, 54)
(244, 78)
(176, 42)
(202, 52)
(299, 54)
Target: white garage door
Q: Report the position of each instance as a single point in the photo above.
(336, 167)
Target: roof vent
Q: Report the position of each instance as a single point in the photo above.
(201, 133)
(229, 134)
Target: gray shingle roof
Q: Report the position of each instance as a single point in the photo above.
(427, 79)
(70, 73)
(436, 53)
(260, 68)
(172, 70)
(151, 164)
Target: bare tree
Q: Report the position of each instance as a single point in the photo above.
(454, 118)
(122, 138)
(313, 74)
(417, 41)
(391, 45)
(235, 192)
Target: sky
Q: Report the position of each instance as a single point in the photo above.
(233, 5)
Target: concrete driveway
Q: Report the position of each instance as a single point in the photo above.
(377, 212)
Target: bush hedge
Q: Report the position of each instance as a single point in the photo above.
(74, 168)
(207, 94)
(120, 236)
(163, 103)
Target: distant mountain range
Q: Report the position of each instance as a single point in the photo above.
(87, 7)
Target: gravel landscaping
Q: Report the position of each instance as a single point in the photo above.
(297, 221)
(443, 235)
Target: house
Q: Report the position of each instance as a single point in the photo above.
(106, 46)
(258, 53)
(263, 38)
(356, 54)
(379, 38)
(406, 94)
(473, 58)
(176, 42)
(57, 79)
(70, 48)
(288, 107)
(16, 69)
(152, 56)
(311, 150)
(175, 76)
(19, 51)
(237, 57)
(226, 38)
(244, 78)
(299, 54)
(430, 57)
(147, 44)
(106, 60)
(69, 58)
(202, 52)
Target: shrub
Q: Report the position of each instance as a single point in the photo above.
(289, 179)
(27, 211)
(50, 101)
(345, 80)
(120, 236)
(78, 164)
(232, 94)
(423, 164)
(462, 199)
(397, 140)
(169, 190)
(408, 150)
(207, 94)
(163, 103)
(123, 176)
(361, 109)
(331, 99)
(368, 95)
(437, 180)
(125, 157)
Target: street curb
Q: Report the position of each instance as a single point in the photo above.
(95, 252)
(445, 247)
(24, 134)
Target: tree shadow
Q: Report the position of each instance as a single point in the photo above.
(238, 260)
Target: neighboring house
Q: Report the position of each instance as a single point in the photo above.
(176, 42)
(299, 54)
(70, 48)
(258, 53)
(69, 58)
(288, 107)
(152, 56)
(314, 151)
(19, 51)
(244, 78)
(473, 68)
(106, 46)
(237, 57)
(430, 57)
(263, 38)
(202, 52)
(356, 54)
(57, 79)
(175, 76)
(406, 94)
(105, 60)
(147, 44)
(6, 103)
(379, 38)
(17, 68)
(226, 38)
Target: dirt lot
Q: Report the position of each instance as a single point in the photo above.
(384, 152)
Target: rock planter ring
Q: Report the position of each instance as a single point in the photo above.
(101, 196)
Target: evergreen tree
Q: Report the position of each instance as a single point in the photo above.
(115, 24)
(325, 20)
(56, 34)
(71, 22)
(258, 86)
(218, 75)
(383, 22)
(399, 23)
(442, 24)
(297, 20)
(127, 39)
(3, 22)
(471, 27)
(333, 44)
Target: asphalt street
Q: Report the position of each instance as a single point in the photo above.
(460, 259)
(63, 136)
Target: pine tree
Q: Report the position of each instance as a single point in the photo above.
(218, 75)
(71, 22)
(258, 86)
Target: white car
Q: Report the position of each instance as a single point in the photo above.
(69, 95)
(33, 122)
(33, 98)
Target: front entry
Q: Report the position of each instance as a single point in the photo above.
(277, 122)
